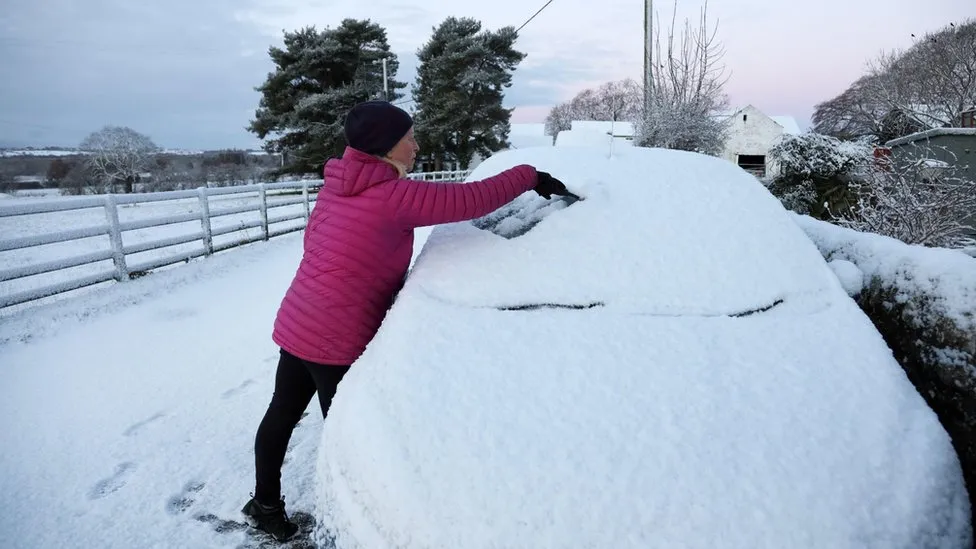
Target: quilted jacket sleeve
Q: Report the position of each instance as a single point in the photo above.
(421, 203)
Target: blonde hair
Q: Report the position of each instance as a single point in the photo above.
(401, 170)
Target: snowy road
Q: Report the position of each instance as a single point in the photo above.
(129, 414)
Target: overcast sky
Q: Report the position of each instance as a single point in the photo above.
(184, 71)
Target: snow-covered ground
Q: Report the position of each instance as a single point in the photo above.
(44, 223)
(129, 414)
(947, 277)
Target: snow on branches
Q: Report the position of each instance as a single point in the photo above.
(118, 155)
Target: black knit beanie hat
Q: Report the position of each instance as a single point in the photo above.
(375, 127)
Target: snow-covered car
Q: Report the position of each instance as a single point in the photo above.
(668, 362)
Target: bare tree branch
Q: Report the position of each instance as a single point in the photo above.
(118, 155)
(612, 101)
(918, 201)
(687, 80)
(924, 87)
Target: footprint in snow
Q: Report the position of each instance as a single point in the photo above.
(112, 484)
(176, 314)
(185, 499)
(136, 427)
(237, 390)
(256, 539)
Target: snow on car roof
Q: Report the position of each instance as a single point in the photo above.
(664, 232)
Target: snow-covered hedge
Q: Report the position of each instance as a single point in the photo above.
(918, 201)
(923, 301)
(814, 169)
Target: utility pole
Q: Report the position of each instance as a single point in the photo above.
(386, 86)
(648, 53)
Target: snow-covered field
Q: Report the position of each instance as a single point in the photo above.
(38, 152)
(44, 223)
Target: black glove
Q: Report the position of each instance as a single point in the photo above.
(548, 185)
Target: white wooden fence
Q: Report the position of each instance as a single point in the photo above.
(270, 196)
(457, 175)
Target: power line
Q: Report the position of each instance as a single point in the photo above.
(527, 21)
(533, 16)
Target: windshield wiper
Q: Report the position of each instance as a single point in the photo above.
(759, 310)
(537, 306)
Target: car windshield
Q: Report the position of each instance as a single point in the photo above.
(657, 232)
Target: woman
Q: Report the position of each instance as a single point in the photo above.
(358, 246)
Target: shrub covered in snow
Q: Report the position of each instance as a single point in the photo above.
(686, 79)
(814, 172)
(923, 301)
(683, 126)
(919, 202)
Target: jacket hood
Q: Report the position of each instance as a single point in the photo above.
(355, 172)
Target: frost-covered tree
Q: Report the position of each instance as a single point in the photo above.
(851, 115)
(919, 201)
(561, 118)
(318, 77)
(117, 155)
(687, 81)
(613, 101)
(926, 86)
(814, 172)
(460, 88)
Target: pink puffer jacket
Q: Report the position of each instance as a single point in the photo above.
(358, 245)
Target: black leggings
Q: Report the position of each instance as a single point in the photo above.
(296, 382)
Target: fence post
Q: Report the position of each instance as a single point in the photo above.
(115, 236)
(264, 210)
(205, 221)
(305, 198)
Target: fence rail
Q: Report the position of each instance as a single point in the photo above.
(270, 197)
(455, 175)
(119, 253)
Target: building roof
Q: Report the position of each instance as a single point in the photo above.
(928, 134)
(619, 128)
(789, 124)
(521, 141)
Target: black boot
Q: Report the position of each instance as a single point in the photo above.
(270, 518)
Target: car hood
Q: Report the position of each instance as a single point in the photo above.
(477, 428)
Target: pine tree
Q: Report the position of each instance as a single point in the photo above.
(319, 76)
(459, 91)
